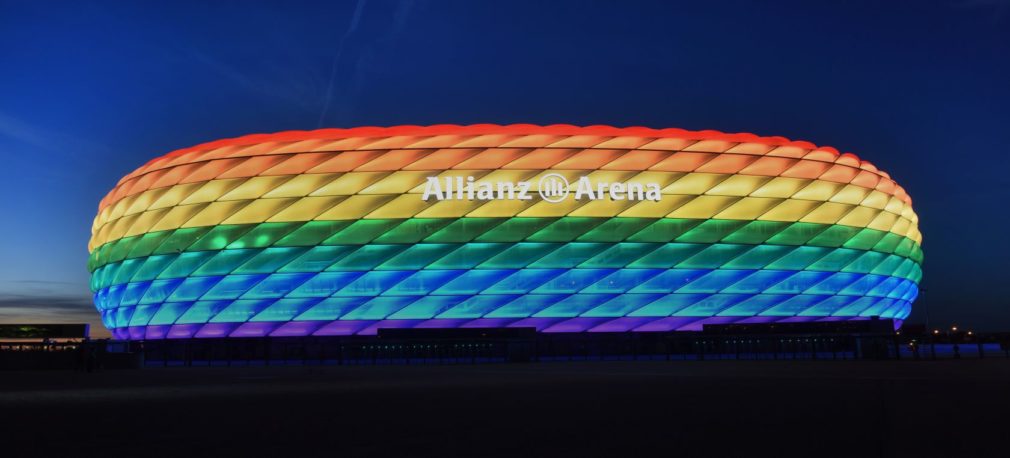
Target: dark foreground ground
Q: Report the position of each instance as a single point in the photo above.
(584, 409)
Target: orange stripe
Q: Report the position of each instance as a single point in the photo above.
(393, 160)
(636, 160)
(442, 159)
(492, 158)
(165, 170)
(683, 162)
(840, 174)
(345, 162)
(542, 158)
(592, 159)
(806, 169)
(771, 166)
(726, 163)
(298, 163)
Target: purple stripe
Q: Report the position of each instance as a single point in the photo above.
(259, 329)
(297, 328)
(211, 330)
(342, 328)
(623, 324)
(580, 324)
(668, 324)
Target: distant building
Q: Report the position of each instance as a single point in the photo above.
(561, 228)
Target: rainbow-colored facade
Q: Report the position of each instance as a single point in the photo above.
(340, 232)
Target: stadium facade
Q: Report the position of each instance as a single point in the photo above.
(562, 228)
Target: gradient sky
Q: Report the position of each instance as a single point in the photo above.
(91, 90)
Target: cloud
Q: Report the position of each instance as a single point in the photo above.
(25, 133)
(22, 141)
(27, 309)
(352, 62)
(359, 9)
(270, 79)
(28, 288)
(44, 138)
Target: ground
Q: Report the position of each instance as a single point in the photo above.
(955, 408)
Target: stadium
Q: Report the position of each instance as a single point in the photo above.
(340, 232)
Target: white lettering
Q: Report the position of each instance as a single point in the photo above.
(616, 190)
(502, 186)
(552, 189)
(524, 190)
(585, 188)
(432, 187)
(652, 192)
(485, 191)
(636, 191)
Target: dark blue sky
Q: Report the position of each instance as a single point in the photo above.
(89, 91)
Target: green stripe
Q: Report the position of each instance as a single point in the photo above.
(498, 255)
(462, 230)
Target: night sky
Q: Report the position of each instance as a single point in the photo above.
(90, 90)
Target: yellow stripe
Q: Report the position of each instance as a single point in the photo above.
(413, 182)
(396, 195)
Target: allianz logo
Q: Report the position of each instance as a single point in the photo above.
(552, 188)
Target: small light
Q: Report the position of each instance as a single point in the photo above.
(969, 333)
(954, 328)
(936, 331)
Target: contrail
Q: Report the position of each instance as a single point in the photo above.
(355, 18)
